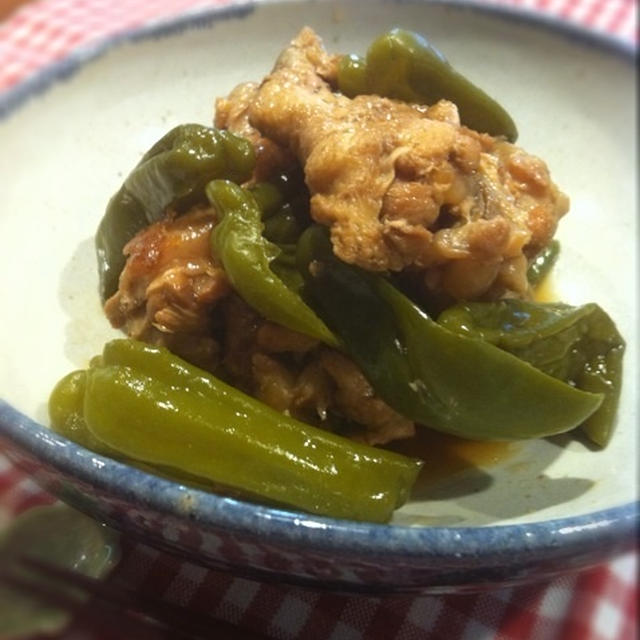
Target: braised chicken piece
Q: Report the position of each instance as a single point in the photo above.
(169, 287)
(232, 113)
(356, 400)
(404, 185)
(293, 373)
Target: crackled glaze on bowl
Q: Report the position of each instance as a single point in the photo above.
(69, 135)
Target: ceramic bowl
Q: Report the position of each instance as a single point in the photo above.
(70, 132)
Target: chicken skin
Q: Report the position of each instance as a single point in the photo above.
(406, 186)
(169, 287)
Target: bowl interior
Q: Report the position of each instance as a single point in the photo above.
(66, 150)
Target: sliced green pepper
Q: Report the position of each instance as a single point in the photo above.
(542, 264)
(246, 255)
(453, 383)
(404, 65)
(282, 227)
(352, 76)
(580, 345)
(268, 198)
(173, 172)
(151, 406)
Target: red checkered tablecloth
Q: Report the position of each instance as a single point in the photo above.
(47, 30)
(599, 604)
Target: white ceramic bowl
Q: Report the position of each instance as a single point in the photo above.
(70, 133)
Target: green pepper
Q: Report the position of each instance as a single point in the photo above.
(66, 417)
(246, 256)
(449, 382)
(268, 198)
(284, 266)
(174, 173)
(542, 264)
(282, 227)
(352, 76)
(66, 413)
(153, 407)
(404, 65)
(580, 345)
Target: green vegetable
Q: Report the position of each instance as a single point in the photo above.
(268, 198)
(66, 413)
(542, 264)
(453, 383)
(246, 255)
(153, 407)
(282, 227)
(173, 173)
(353, 78)
(404, 65)
(66, 416)
(579, 345)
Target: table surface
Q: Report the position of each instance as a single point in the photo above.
(598, 604)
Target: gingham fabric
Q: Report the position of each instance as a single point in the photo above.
(599, 604)
(47, 30)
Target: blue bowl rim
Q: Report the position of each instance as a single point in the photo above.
(453, 545)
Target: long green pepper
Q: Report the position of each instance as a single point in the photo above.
(153, 407)
(579, 345)
(247, 257)
(405, 66)
(457, 384)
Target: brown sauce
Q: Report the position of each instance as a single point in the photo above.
(446, 455)
(545, 291)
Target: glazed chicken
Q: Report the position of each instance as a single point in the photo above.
(232, 113)
(402, 187)
(169, 287)
(294, 373)
(405, 185)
